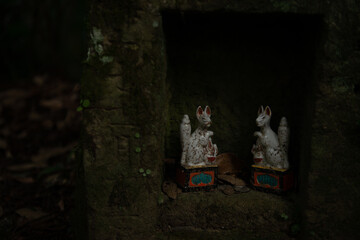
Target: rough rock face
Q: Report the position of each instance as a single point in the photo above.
(133, 94)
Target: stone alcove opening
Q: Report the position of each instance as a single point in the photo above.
(235, 62)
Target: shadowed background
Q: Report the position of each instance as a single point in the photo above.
(41, 52)
(41, 37)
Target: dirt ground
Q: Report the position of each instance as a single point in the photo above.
(39, 132)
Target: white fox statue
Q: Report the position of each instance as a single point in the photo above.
(271, 150)
(197, 148)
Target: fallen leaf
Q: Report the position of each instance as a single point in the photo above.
(61, 205)
(8, 154)
(15, 94)
(3, 144)
(5, 131)
(231, 179)
(30, 213)
(70, 116)
(34, 116)
(52, 103)
(22, 167)
(76, 88)
(228, 190)
(47, 153)
(48, 124)
(26, 180)
(170, 189)
(22, 135)
(241, 189)
(60, 125)
(52, 179)
(39, 80)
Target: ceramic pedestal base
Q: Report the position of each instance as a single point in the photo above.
(272, 179)
(197, 178)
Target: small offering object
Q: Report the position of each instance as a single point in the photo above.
(270, 170)
(198, 168)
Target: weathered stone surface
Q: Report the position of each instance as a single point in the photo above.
(243, 212)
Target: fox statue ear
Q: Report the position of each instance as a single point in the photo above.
(199, 111)
(208, 110)
(268, 111)
(261, 109)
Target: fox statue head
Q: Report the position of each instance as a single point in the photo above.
(264, 116)
(204, 116)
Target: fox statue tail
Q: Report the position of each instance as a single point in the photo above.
(283, 135)
(185, 132)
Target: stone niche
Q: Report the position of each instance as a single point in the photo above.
(235, 62)
(150, 62)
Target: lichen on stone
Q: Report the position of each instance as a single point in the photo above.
(106, 59)
(97, 48)
(96, 36)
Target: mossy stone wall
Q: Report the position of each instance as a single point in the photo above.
(125, 125)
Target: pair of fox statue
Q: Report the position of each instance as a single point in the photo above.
(270, 149)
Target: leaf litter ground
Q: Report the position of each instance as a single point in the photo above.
(39, 130)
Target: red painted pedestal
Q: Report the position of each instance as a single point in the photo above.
(272, 179)
(197, 178)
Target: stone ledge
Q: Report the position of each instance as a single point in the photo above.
(216, 235)
(245, 212)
